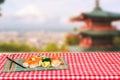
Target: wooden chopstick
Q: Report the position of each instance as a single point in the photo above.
(15, 62)
(11, 63)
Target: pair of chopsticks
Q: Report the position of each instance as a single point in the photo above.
(12, 61)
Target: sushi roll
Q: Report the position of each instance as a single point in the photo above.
(46, 62)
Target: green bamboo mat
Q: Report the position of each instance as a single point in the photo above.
(16, 68)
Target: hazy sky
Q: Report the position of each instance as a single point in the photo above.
(48, 14)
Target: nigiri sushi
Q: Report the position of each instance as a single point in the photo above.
(55, 61)
(26, 63)
(32, 62)
(39, 59)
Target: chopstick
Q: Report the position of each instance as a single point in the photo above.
(15, 62)
(11, 63)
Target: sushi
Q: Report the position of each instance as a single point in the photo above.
(46, 62)
(55, 61)
(32, 62)
(26, 63)
(39, 60)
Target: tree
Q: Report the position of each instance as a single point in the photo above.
(16, 47)
(72, 39)
(75, 29)
(2, 1)
(51, 47)
(117, 41)
(63, 47)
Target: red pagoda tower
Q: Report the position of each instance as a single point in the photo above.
(97, 31)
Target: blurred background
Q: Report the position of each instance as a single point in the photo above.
(47, 25)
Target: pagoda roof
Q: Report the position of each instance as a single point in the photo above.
(96, 32)
(102, 14)
(100, 33)
(97, 13)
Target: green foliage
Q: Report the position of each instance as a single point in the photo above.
(63, 48)
(75, 29)
(16, 47)
(2, 1)
(22, 47)
(51, 47)
(72, 40)
(117, 41)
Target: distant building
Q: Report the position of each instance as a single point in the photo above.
(98, 33)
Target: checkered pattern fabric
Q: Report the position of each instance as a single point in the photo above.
(96, 65)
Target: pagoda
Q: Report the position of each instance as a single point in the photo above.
(98, 31)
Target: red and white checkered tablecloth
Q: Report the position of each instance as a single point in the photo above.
(96, 65)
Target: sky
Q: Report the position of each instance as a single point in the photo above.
(48, 14)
